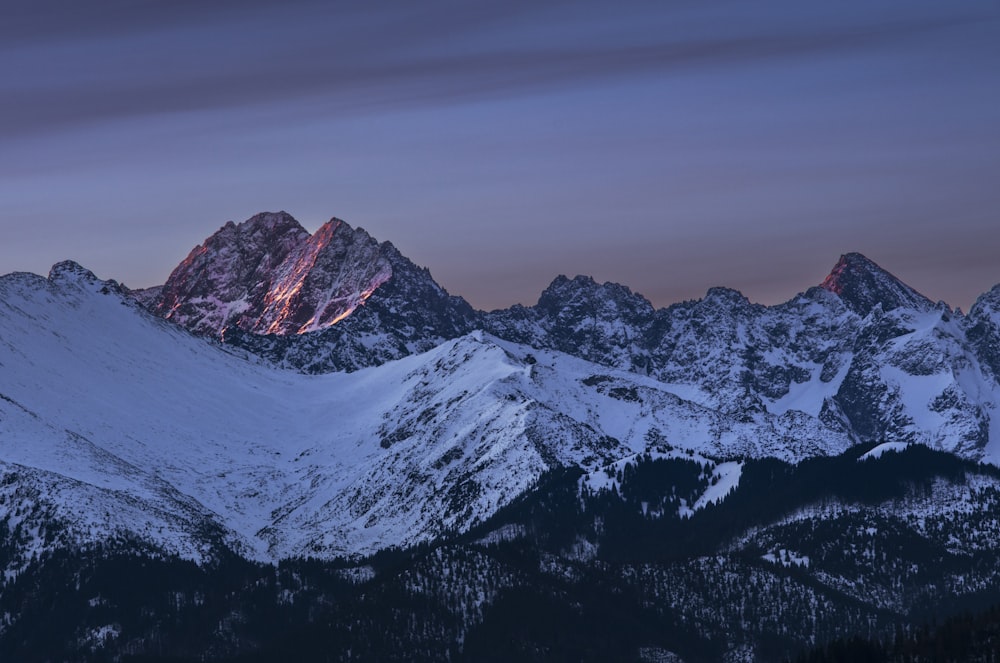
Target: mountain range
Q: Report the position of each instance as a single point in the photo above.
(862, 355)
(287, 395)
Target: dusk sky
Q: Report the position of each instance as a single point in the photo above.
(670, 146)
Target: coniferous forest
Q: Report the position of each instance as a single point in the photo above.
(832, 559)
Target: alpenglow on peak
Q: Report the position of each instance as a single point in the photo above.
(862, 285)
(268, 275)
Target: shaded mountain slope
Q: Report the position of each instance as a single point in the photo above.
(114, 422)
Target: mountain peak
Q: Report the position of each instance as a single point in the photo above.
(583, 290)
(70, 271)
(268, 275)
(269, 229)
(987, 305)
(725, 295)
(268, 221)
(563, 282)
(862, 285)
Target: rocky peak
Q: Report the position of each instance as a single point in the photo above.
(587, 297)
(267, 225)
(269, 235)
(323, 280)
(726, 298)
(72, 274)
(69, 271)
(269, 275)
(406, 313)
(987, 305)
(862, 285)
(983, 329)
(228, 273)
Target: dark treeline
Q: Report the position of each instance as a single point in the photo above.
(566, 573)
(966, 638)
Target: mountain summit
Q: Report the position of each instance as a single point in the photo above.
(268, 275)
(264, 283)
(862, 284)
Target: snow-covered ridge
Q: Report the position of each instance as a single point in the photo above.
(862, 354)
(450, 413)
(126, 424)
(112, 403)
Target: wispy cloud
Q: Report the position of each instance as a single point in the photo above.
(653, 143)
(70, 63)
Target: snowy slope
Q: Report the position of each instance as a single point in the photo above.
(97, 392)
(126, 424)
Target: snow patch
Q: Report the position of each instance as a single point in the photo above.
(786, 558)
(885, 447)
(726, 477)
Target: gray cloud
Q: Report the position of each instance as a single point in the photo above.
(129, 59)
(669, 145)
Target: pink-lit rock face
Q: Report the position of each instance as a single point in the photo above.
(862, 285)
(268, 275)
(834, 281)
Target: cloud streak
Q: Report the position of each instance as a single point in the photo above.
(364, 61)
(667, 145)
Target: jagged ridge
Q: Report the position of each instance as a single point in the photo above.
(862, 353)
(140, 428)
(268, 275)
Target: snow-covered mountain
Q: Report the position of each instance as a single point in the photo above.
(287, 395)
(863, 353)
(117, 407)
(915, 373)
(116, 423)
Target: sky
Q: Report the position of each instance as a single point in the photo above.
(668, 145)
